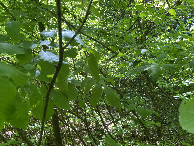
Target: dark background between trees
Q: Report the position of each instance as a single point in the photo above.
(101, 72)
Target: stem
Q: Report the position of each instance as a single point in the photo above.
(59, 65)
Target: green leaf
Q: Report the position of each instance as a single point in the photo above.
(143, 112)
(155, 70)
(25, 58)
(131, 107)
(38, 109)
(87, 84)
(93, 66)
(172, 12)
(95, 11)
(7, 99)
(10, 49)
(72, 53)
(12, 72)
(186, 115)
(1, 124)
(60, 100)
(112, 98)
(81, 103)
(20, 118)
(96, 95)
(110, 81)
(72, 92)
(34, 95)
(46, 70)
(13, 30)
(62, 81)
(140, 8)
(111, 142)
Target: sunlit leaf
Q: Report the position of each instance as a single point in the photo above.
(70, 34)
(186, 115)
(172, 12)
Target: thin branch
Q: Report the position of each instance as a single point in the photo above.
(74, 27)
(59, 65)
(168, 4)
(7, 10)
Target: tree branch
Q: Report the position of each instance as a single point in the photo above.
(7, 10)
(59, 65)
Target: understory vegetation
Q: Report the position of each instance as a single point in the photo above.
(96, 72)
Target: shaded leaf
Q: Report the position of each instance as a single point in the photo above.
(12, 72)
(93, 66)
(72, 92)
(112, 98)
(111, 142)
(38, 109)
(20, 118)
(143, 112)
(71, 52)
(13, 30)
(96, 95)
(7, 98)
(46, 70)
(11, 49)
(60, 100)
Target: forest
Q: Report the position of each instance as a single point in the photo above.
(96, 72)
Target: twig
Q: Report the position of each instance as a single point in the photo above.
(59, 65)
(74, 27)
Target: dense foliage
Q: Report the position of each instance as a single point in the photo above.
(101, 72)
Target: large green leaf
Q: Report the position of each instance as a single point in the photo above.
(72, 92)
(186, 115)
(34, 95)
(12, 72)
(46, 70)
(87, 84)
(13, 30)
(143, 112)
(71, 52)
(60, 99)
(20, 118)
(7, 98)
(38, 109)
(93, 66)
(112, 98)
(111, 142)
(96, 95)
(25, 58)
(10, 49)
(62, 79)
